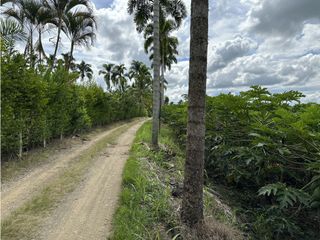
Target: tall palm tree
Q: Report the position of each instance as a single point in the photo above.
(43, 18)
(168, 49)
(118, 77)
(107, 73)
(192, 201)
(79, 27)
(142, 78)
(59, 9)
(26, 12)
(145, 11)
(85, 70)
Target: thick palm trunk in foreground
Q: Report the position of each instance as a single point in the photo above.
(156, 75)
(192, 203)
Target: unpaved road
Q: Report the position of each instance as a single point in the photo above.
(87, 212)
(16, 193)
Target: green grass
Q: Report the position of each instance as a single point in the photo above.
(24, 222)
(146, 208)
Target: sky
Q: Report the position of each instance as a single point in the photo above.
(273, 43)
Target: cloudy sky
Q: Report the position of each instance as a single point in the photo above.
(274, 43)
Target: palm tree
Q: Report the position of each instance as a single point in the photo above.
(43, 18)
(107, 73)
(142, 77)
(192, 201)
(85, 70)
(79, 27)
(168, 48)
(11, 30)
(59, 9)
(142, 11)
(118, 77)
(68, 61)
(26, 12)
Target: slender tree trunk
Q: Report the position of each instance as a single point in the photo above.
(156, 73)
(44, 142)
(20, 145)
(162, 87)
(192, 202)
(71, 55)
(162, 75)
(31, 48)
(26, 48)
(58, 39)
(40, 44)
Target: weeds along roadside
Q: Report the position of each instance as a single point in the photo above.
(149, 204)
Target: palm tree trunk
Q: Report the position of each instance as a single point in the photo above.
(31, 48)
(162, 86)
(70, 57)
(192, 201)
(156, 73)
(58, 39)
(40, 44)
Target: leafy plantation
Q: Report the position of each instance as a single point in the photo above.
(266, 148)
(39, 105)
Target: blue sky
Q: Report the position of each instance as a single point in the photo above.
(274, 43)
(102, 3)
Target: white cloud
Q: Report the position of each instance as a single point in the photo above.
(284, 18)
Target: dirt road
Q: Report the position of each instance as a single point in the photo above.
(87, 212)
(18, 192)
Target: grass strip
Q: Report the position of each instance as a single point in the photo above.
(147, 209)
(144, 210)
(24, 222)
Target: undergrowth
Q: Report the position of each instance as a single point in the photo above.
(149, 205)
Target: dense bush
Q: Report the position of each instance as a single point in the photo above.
(268, 147)
(39, 105)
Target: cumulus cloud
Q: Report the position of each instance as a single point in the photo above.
(268, 71)
(222, 54)
(283, 18)
(275, 43)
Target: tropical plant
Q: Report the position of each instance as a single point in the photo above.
(79, 27)
(11, 30)
(85, 70)
(142, 11)
(266, 147)
(141, 86)
(107, 73)
(118, 77)
(168, 48)
(59, 9)
(26, 12)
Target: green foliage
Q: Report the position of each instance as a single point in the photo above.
(42, 105)
(267, 144)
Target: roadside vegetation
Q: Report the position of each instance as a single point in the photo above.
(39, 105)
(149, 205)
(262, 156)
(39, 156)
